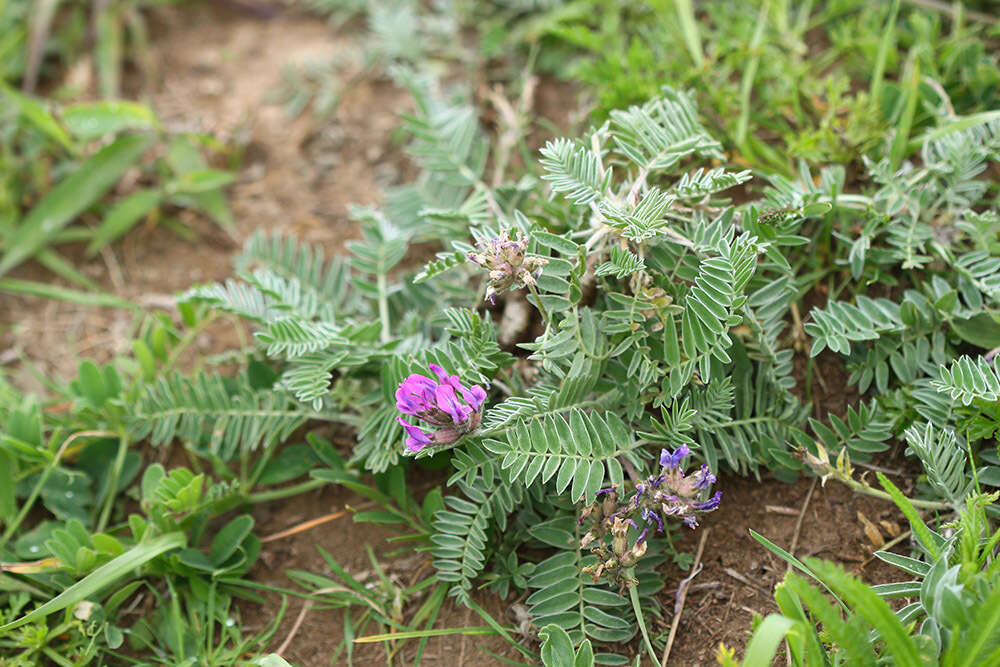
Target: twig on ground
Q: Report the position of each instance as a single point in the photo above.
(306, 606)
(798, 522)
(114, 269)
(746, 582)
(461, 653)
(312, 523)
(682, 596)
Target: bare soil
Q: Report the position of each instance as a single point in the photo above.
(217, 64)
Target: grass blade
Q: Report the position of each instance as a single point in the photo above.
(689, 27)
(924, 536)
(418, 634)
(60, 266)
(48, 291)
(72, 196)
(35, 113)
(750, 73)
(901, 140)
(122, 217)
(956, 124)
(764, 644)
(789, 558)
(102, 577)
(108, 50)
(93, 120)
(888, 38)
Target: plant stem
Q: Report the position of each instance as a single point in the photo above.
(33, 496)
(286, 491)
(633, 595)
(860, 487)
(383, 307)
(116, 472)
(188, 338)
(540, 305)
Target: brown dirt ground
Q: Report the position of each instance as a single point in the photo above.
(216, 66)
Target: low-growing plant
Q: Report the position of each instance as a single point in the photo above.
(602, 334)
(41, 41)
(90, 172)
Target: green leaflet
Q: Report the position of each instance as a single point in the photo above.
(122, 217)
(93, 120)
(580, 452)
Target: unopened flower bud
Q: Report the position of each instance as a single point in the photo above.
(619, 537)
(637, 551)
(509, 265)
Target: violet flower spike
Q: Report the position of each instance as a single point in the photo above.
(648, 514)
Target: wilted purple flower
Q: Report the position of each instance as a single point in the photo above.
(704, 478)
(709, 504)
(507, 261)
(451, 408)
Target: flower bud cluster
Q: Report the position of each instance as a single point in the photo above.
(509, 264)
(449, 407)
(669, 494)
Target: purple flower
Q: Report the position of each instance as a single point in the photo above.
(451, 408)
(704, 478)
(648, 514)
(415, 395)
(672, 461)
(416, 439)
(709, 504)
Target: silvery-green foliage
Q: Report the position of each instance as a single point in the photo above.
(932, 221)
(661, 318)
(649, 275)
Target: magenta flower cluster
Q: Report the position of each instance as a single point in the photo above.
(450, 408)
